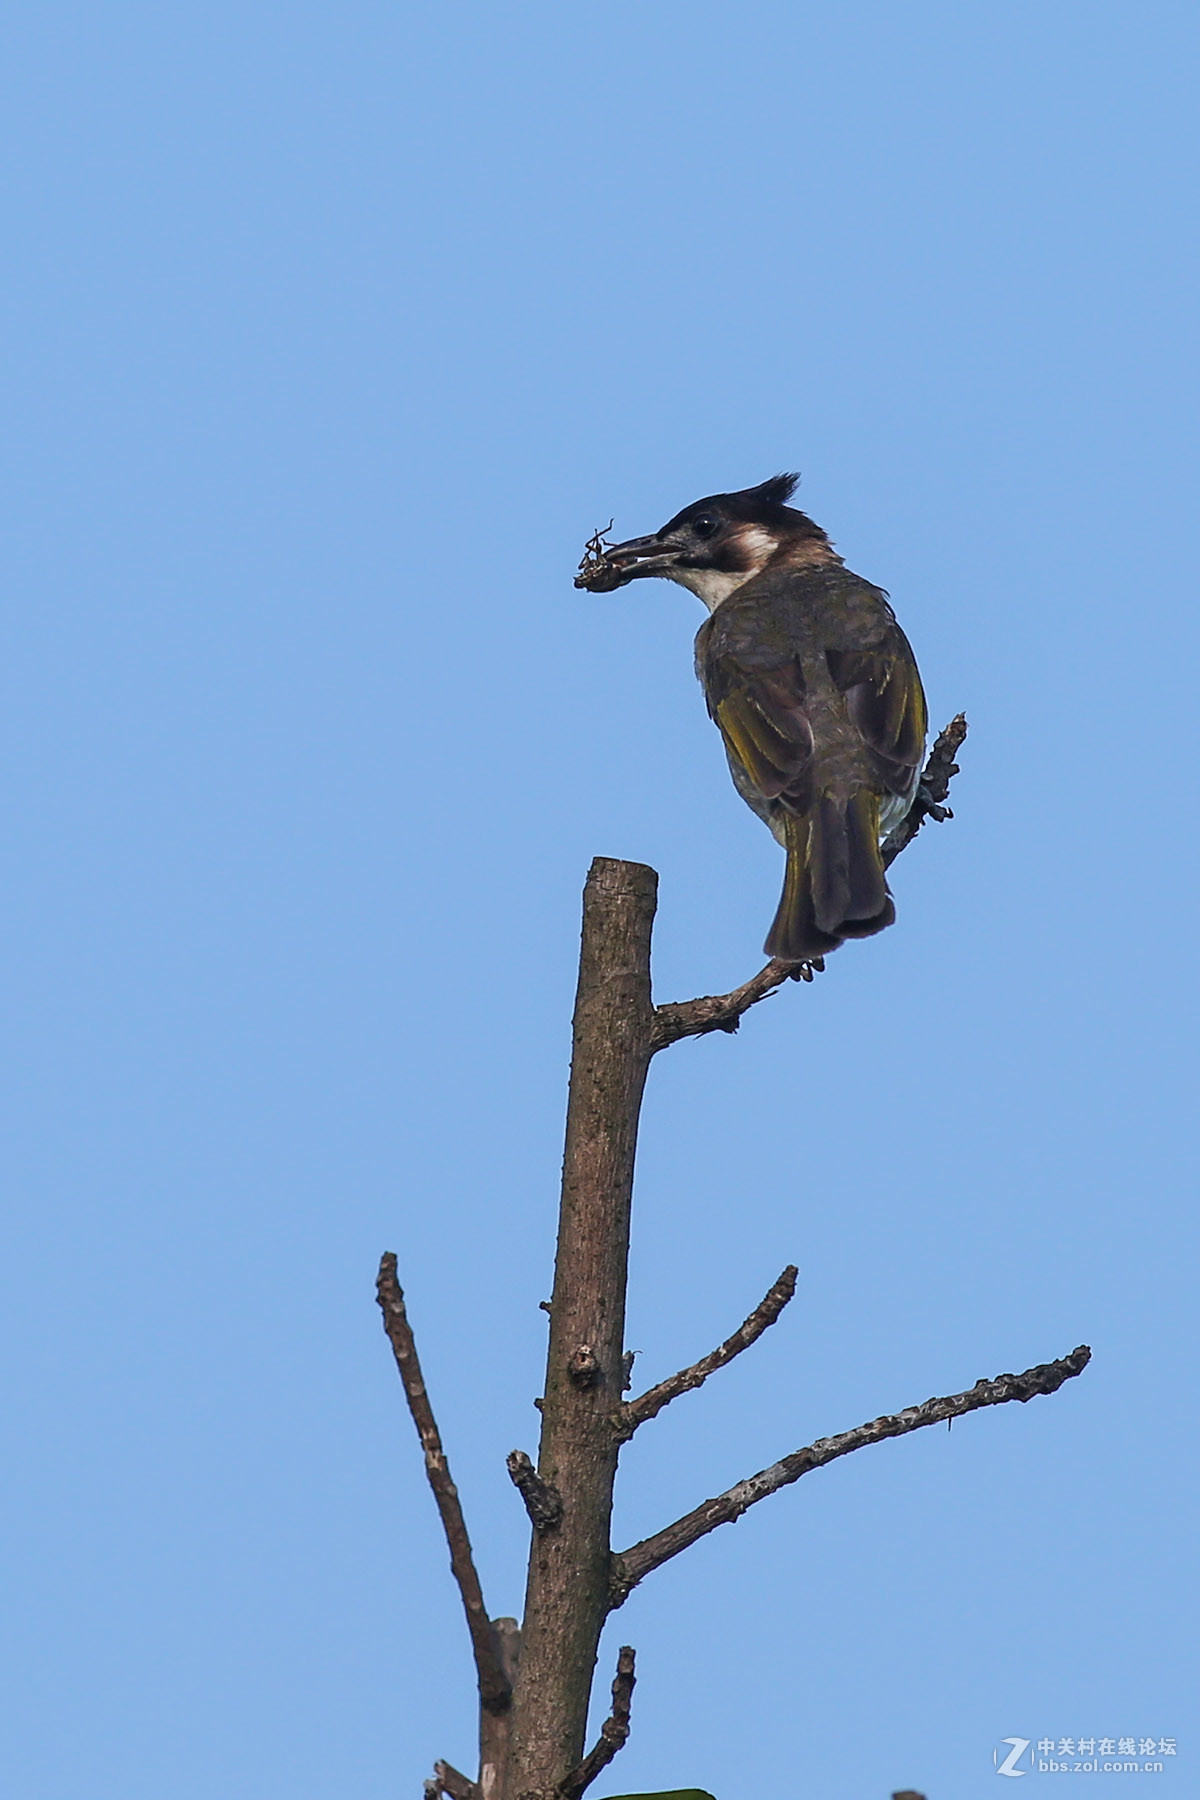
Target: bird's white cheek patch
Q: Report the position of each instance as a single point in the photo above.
(760, 546)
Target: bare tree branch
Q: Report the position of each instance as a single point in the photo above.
(636, 1412)
(939, 771)
(452, 1781)
(720, 1012)
(495, 1688)
(632, 1565)
(543, 1503)
(613, 1732)
(723, 1012)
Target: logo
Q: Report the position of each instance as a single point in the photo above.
(1082, 1756)
(1016, 1751)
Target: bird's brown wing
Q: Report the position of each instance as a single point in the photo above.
(763, 721)
(886, 702)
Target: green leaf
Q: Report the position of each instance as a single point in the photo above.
(675, 1794)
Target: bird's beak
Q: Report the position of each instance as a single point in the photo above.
(642, 556)
(619, 563)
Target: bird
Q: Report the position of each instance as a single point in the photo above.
(815, 691)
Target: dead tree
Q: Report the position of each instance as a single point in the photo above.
(535, 1681)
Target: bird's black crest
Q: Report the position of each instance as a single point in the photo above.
(778, 490)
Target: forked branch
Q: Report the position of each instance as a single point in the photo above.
(636, 1412)
(723, 1012)
(632, 1565)
(613, 1732)
(495, 1689)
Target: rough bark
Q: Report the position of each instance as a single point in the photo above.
(542, 1502)
(567, 1593)
(495, 1727)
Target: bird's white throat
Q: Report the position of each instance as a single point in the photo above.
(715, 585)
(710, 585)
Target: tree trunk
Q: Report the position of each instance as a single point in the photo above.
(567, 1595)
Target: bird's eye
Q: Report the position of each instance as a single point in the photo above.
(705, 525)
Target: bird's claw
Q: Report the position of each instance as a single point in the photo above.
(931, 808)
(806, 970)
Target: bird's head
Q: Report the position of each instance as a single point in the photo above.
(712, 546)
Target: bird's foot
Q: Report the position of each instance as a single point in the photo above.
(806, 970)
(931, 808)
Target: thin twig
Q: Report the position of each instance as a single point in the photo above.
(543, 1503)
(632, 1565)
(613, 1732)
(936, 777)
(495, 1689)
(723, 1012)
(636, 1412)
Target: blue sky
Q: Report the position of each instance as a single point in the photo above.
(332, 332)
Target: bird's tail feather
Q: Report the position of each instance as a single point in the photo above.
(834, 887)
